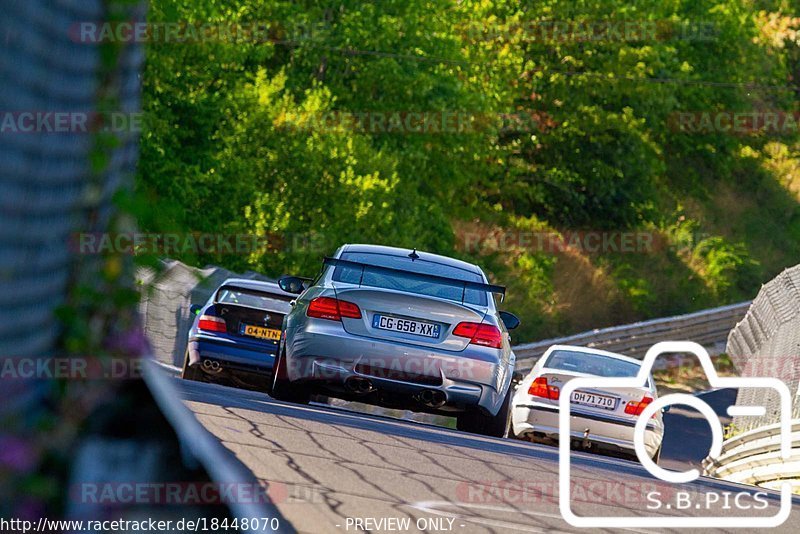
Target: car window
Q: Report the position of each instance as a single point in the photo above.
(252, 299)
(594, 364)
(413, 280)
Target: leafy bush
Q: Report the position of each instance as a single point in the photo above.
(728, 269)
(234, 145)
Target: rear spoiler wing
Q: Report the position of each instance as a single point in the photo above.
(280, 296)
(478, 286)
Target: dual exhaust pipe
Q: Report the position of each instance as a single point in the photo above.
(432, 398)
(211, 366)
(358, 385)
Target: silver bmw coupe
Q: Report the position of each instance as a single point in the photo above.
(402, 329)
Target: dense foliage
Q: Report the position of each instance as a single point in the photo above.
(558, 117)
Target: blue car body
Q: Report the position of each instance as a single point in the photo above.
(237, 311)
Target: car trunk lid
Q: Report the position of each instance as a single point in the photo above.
(254, 323)
(408, 318)
(596, 399)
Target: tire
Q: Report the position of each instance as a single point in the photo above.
(190, 373)
(657, 456)
(497, 426)
(282, 389)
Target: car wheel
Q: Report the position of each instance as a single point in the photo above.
(498, 426)
(190, 373)
(282, 389)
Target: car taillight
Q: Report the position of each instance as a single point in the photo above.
(211, 323)
(333, 309)
(486, 335)
(540, 388)
(636, 408)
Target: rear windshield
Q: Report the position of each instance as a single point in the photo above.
(253, 299)
(593, 364)
(413, 280)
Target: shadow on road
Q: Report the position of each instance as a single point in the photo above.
(687, 437)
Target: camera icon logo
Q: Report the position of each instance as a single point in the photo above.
(675, 477)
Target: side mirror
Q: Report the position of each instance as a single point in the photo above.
(509, 319)
(194, 309)
(291, 284)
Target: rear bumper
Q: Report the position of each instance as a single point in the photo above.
(232, 356)
(539, 420)
(322, 352)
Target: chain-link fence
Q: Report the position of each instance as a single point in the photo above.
(767, 343)
(45, 190)
(50, 84)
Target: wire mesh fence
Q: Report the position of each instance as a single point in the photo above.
(767, 343)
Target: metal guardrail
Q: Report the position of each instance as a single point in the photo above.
(710, 328)
(221, 464)
(754, 458)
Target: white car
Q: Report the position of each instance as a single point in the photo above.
(601, 419)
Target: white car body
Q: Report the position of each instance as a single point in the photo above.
(535, 407)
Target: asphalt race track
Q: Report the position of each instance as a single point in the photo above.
(332, 470)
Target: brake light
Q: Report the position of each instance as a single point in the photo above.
(486, 335)
(211, 323)
(540, 388)
(332, 309)
(636, 408)
(350, 310)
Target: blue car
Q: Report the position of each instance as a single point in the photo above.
(235, 335)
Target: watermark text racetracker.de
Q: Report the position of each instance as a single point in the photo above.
(171, 243)
(415, 122)
(77, 368)
(649, 495)
(69, 122)
(593, 30)
(587, 241)
(191, 493)
(391, 368)
(740, 123)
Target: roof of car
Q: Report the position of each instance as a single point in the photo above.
(256, 285)
(427, 256)
(588, 350)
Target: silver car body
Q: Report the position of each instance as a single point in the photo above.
(327, 354)
(536, 418)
